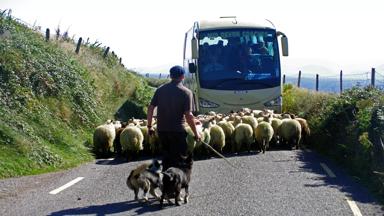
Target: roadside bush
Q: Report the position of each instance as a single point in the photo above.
(348, 128)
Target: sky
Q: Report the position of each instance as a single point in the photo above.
(325, 36)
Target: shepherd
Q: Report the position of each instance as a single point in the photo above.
(174, 106)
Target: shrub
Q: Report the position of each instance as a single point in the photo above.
(348, 128)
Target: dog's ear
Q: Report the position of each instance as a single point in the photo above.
(168, 175)
(156, 163)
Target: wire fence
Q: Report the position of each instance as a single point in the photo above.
(78, 41)
(336, 83)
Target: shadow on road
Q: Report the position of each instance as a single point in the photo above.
(342, 182)
(122, 160)
(111, 208)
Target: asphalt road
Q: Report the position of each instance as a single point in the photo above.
(275, 183)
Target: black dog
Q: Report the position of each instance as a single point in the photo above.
(175, 179)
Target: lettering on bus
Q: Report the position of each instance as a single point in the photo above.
(229, 34)
(240, 92)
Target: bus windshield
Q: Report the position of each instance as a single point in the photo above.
(238, 59)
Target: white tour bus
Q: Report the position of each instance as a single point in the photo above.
(232, 63)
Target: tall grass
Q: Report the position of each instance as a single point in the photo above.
(51, 99)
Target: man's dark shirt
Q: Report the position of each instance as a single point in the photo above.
(172, 101)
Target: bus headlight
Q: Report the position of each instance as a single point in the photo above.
(274, 102)
(207, 104)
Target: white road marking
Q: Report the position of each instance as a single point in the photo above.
(356, 211)
(69, 184)
(106, 161)
(327, 170)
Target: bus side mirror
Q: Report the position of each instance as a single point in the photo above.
(192, 67)
(195, 48)
(284, 45)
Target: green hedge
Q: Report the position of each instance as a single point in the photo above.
(348, 128)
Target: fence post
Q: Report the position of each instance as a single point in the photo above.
(283, 79)
(106, 52)
(78, 45)
(373, 75)
(317, 82)
(299, 79)
(47, 34)
(341, 81)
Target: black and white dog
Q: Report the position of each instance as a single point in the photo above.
(175, 179)
(147, 177)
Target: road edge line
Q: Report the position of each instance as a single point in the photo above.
(355, 209)
(327, 170)
(69, 184)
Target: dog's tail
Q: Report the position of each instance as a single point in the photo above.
(129, 180)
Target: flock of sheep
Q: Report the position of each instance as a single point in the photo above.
(234, 132)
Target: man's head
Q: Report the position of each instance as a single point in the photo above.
(177, 72)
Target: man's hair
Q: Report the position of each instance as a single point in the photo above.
(176, 72)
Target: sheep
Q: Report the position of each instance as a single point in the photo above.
(243, 134)
(134, 121)
(237, 120)
(116, 141)
(231, 117)
(216, 133)
(191, 141)
(286, 116)
(290, 131)
(277, 116)
(256, 113)
(217, 137)
(211, 113)
(251, 121)
(117, 124)
(154, 142)
(228, 129)
(103, 138)
(264, 134)
(144, 131)
(263, 113)
(200, 148)
(260, 119)
(246, 110)
(305, 130)
(276, 123)
(192, 144)
(131, 139)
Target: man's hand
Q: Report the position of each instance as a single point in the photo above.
(198, 137)
(151, 131)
